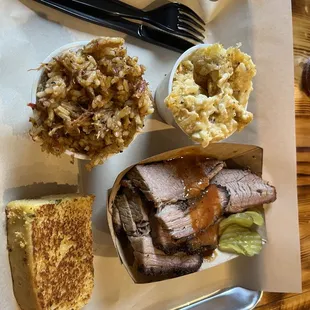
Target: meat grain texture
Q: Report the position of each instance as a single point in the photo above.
(244, 189)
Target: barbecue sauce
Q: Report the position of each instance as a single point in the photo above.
(207, 237)
(206, 209)
(209, 255)
(193, 174)
(207, 240)
(205, 206)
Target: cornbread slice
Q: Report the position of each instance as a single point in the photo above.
(50, 251)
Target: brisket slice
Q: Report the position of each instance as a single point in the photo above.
(166, 181)
(245, 189)
(122, 205)
(205, 240)
(162, 239)
(186, 218)
(137, 205)
(117, 224)
(153, 262)
(132, 212)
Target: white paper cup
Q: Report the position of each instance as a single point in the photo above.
(70, 46)
(37, 79)
(165, 87)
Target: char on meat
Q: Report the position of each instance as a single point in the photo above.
(183, 219)
(205, 240)
(161, 183)
(244, 189)
(162, 239)
(153, 262)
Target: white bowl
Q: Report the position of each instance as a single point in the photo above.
(165, 87)
(37, 79)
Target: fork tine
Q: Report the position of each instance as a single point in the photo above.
(189, 11)
(188, 35)
(187, 27)
(186, 18)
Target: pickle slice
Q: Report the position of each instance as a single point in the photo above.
(240, 240)
(231, 248)
(256, 216)
(234, 228)
(240, 219)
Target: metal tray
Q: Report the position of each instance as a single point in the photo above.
(235, 298)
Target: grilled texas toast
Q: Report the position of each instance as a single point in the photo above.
(50, 251)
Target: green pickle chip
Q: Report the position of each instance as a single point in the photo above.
(240, 219)
(231, 248)
(236, 235)
(256, 216)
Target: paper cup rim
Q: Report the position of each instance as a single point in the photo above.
(185, 54)
(172, 73)
(165, 87)
(47, 59)
(171, 77)
(59, 50)
(38, 76)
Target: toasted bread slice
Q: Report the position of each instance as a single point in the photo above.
(50, 251)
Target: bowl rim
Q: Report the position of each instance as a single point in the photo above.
(47, 59)
(180, 59)
(37, 78)
(172, 73)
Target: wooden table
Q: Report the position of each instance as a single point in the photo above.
(301, 30)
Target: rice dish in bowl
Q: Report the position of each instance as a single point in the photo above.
(91, 101)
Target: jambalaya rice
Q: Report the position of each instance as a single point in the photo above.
(91, 101)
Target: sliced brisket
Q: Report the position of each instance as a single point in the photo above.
(185, 218)
(205, 240)
(162, 239)
(122, 205)
(244, 189)
(117, 224)
(170, 211)
(153, 262)
(132, 212)
(174, 180)
(137, 205)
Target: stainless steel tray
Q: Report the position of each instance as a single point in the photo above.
(235, 298)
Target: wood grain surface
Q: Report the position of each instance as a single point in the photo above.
(301, 31)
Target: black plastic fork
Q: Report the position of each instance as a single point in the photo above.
(143, 32)
(172, 16)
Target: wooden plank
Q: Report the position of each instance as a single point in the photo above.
(303, 168)
(303, 130)
(303, 174)
(302, 106)
(303, 154)
(296, 301)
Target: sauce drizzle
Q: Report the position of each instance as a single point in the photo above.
(206, 209)
(192, 170)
